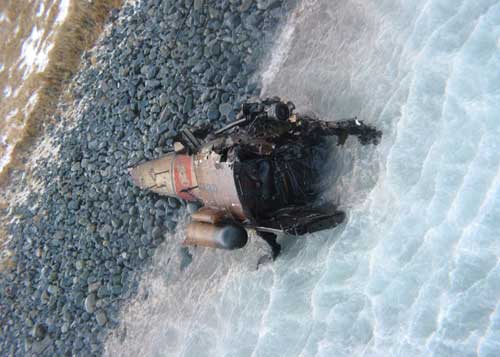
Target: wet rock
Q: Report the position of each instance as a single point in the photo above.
(90, 303)
(59, 235)
(149, 71)
(157, 232)
(39, 330)
(53, 289)
(65, 327)
(80, 264)
(245, 5)
(225, 109)
(192, 207)
(213, 114)
(42, 347)
(214, 49)
(173, 202)
(188, 104)
(267, 4)
(152, 83)
(198, 4)
(101, 318)
(94, 286)
(170, 225)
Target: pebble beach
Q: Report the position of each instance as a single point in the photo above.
(79, 243)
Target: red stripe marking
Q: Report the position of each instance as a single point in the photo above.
(183, 176)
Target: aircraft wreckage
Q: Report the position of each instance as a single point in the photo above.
(261, 172)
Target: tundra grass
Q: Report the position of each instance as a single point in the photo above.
(78, 33)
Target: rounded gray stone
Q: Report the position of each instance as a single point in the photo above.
(192, 207)
(225, 109)
(65, 327)
(39, 330)
(101, 318)
(90, 303)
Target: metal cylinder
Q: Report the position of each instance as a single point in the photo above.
(226, 237)
(279, 111)
(170, 175)
(156, 175)
(202, 177)
(208, 215)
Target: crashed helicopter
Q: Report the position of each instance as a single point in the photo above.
(262, 172)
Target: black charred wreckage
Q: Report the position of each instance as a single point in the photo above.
(261, 172)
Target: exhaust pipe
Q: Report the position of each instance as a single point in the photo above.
(228, 236)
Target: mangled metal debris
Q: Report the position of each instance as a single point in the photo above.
(262, 172)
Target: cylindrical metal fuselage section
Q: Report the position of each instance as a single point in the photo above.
(170, 175)
(155, 175)
(201, 177)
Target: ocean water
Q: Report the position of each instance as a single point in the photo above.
(414, 271)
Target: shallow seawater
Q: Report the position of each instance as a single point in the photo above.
(27, 28)
(415, 269)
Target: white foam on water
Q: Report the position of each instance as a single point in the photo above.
(415, 269)
(284, 43)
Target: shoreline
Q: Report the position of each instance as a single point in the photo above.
(80, 244)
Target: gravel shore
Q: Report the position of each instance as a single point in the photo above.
(80, 244)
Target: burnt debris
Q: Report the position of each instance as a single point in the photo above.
(260, 172)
